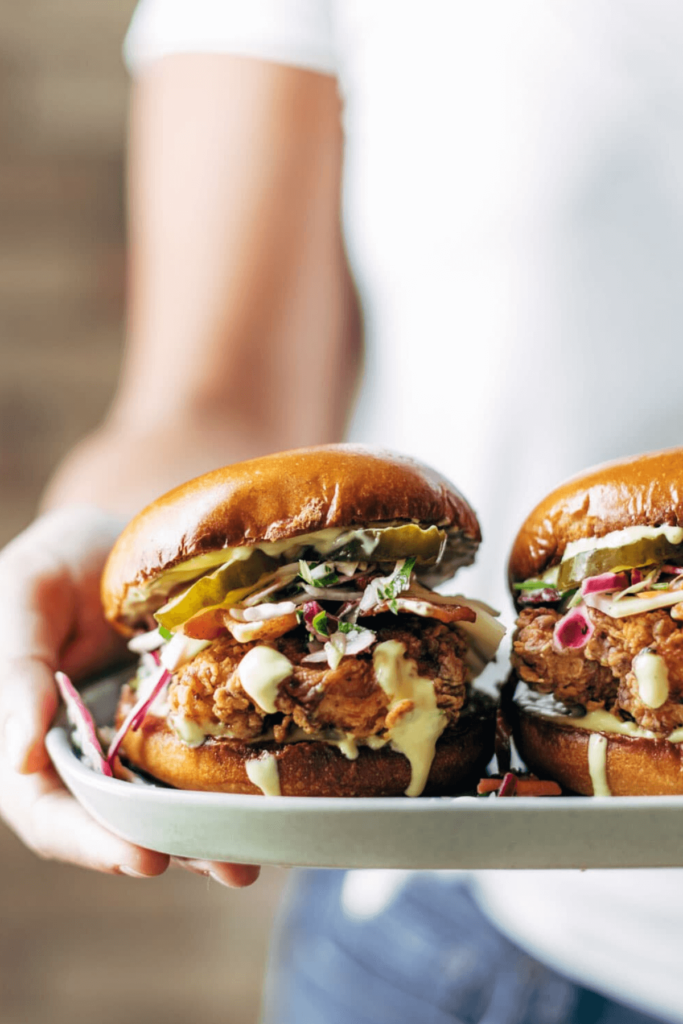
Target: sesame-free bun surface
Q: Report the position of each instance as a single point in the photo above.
(277, 497)
(636, 766)
(645, 490)
(310, 768)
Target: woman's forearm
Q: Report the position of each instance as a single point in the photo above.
(243, 329)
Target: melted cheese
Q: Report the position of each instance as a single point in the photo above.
(620, 538)
(415, 733)
(652, 678)
(263, 772)
(261, 671)
(597, 764)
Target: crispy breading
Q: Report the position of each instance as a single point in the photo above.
(569, 675)
(316, 697)
(601, 674)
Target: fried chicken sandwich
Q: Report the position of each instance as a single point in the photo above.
(597, 574)
(289, 640)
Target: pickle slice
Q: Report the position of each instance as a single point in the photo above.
(228, 585)
(651, 551)
(237, 576)
(391, 543)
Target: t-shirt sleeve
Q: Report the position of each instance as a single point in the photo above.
(296, 32)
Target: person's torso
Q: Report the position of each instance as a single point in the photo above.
(514, 219)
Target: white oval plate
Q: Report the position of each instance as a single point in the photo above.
(382, 832)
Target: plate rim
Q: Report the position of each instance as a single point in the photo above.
(62, 754)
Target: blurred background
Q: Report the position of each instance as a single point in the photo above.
(75, 946)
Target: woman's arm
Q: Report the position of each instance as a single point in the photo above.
(243, 327)
(242, 338)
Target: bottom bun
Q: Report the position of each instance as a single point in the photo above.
(554, 748)
(311, 768)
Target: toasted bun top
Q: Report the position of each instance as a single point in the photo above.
(274, 498)
(645, 490)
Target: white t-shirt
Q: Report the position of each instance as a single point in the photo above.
(513, 211)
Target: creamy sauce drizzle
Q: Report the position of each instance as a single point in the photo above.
(605, 721)
(348, 745)
(652, 678)
(546, 706)
(620, 538)
(192, 733)
(597, 764)
(261, 671)
(264, 774)
(417, 730)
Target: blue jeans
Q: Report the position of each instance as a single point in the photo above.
(428, 957)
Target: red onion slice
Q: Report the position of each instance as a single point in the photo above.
(574, 630)
(83, 725)
(605, 583)
(136, 715)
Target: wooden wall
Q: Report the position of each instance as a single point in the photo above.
(74, 946)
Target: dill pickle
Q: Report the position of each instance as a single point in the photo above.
(233, 580)
(226, 586)
(651, 551)
(391, 543)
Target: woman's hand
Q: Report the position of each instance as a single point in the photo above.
(50, 618)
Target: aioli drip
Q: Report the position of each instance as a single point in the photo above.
(264, 774)
(261, 671)
(597, 764)
(415, 733)
(652, 678)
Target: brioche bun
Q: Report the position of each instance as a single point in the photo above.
(555, 747)
(277, 497)
(645, 490)
(311, 768)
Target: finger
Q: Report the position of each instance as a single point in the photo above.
(234, 876)
(34, 613)
(51, 822)
(49, 595)
(28, 702)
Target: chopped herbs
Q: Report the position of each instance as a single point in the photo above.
(166, 633)
(320, 624)
(322, 575)
(397, 582)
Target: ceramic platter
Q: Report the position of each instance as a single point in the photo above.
(430, 833)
